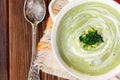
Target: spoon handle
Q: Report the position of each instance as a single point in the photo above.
(34, 71)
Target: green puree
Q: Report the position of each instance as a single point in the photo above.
(88, 38)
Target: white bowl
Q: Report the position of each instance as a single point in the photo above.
(105, 76)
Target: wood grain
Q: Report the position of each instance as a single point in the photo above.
(20, 42)
(3, 41)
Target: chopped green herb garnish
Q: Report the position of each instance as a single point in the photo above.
(91, 39)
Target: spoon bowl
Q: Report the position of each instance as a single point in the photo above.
(34, 11)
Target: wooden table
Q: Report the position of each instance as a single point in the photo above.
(15, 41)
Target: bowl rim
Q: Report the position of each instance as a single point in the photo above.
(60, 15)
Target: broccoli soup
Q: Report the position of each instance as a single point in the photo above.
(88, 38)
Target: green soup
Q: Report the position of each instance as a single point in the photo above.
(96, 60)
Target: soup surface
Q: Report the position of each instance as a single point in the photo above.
(96, 55)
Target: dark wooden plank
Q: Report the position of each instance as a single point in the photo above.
(20, 42)
(3, 41)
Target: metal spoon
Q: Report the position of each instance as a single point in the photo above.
(34, 13)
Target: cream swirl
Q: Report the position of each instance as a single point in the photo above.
(103, 18)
